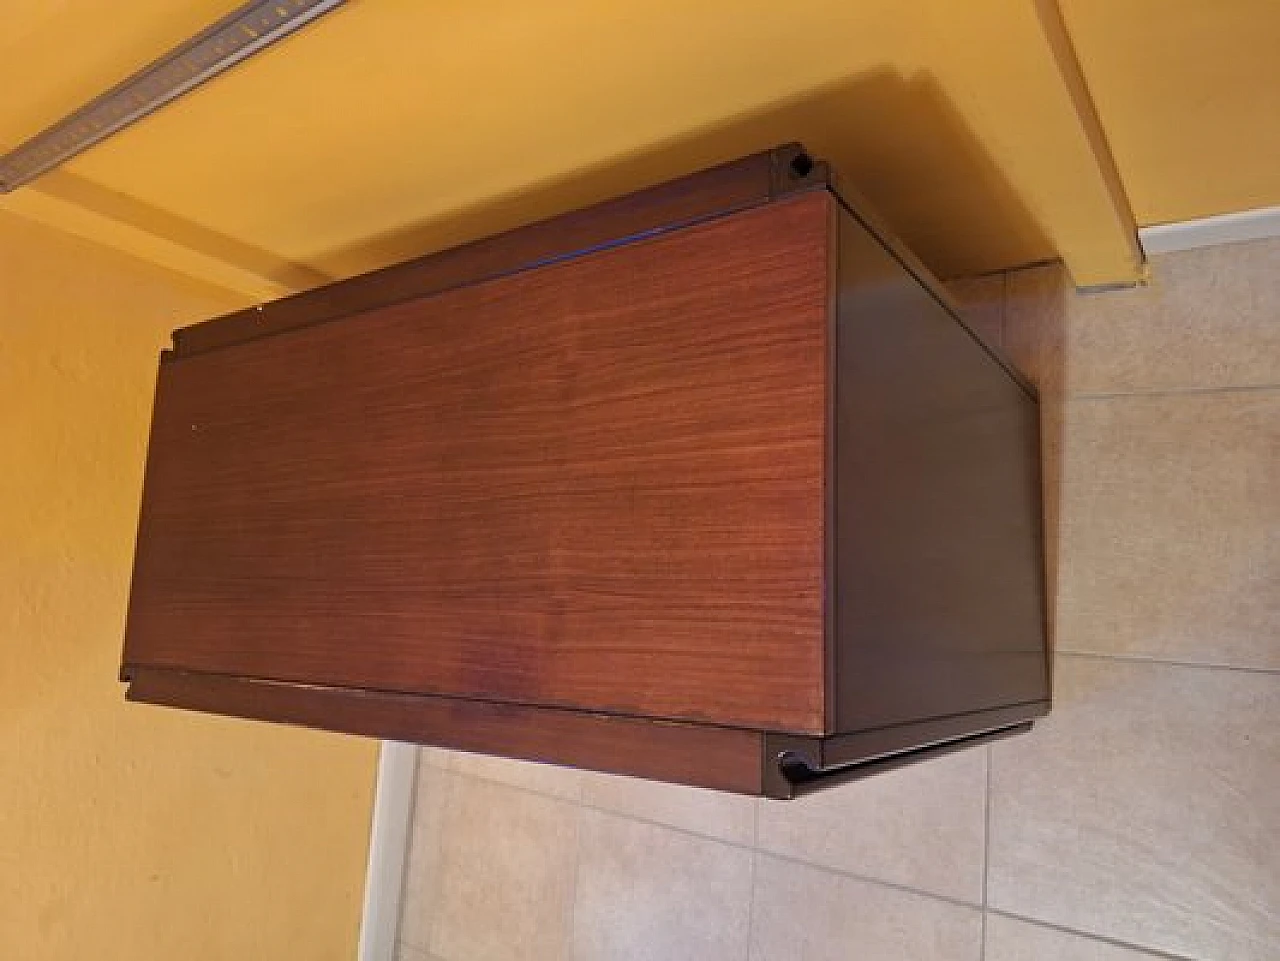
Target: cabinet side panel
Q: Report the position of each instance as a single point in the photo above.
(939, 558)
(595, 485)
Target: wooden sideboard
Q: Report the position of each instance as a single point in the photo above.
(707, 484)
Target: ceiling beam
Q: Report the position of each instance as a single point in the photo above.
(1116, 256)
(77, 206)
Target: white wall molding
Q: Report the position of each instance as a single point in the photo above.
(388, 848)
(1211, 231)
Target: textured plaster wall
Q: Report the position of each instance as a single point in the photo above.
(132, 832)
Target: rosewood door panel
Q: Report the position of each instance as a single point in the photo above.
(598, 485)
(692, 524)
(356, 503)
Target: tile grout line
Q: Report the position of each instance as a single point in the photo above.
(413, 829)
(1137, 659)
(879, 882)
(736, 845)
(1170, 392)
(405, 950)
(448, 789)
(423, 949)
(571, 931)
(1100, 938)
(755, 855)
(986, 853)
(751, 906)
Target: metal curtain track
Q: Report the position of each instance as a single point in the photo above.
(237, 36)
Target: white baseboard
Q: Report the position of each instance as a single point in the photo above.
(388, 847)
(1210, 231)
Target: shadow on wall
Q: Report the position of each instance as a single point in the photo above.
(898, 142)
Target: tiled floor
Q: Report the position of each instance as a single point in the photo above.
(1141, 820)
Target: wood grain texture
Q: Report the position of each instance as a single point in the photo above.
(708, 193)
(713, 757)
(595, 485)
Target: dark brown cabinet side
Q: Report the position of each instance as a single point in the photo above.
(705, 484)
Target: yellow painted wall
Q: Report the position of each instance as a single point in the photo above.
(130, 832)
(392, 128)
(1189, 96)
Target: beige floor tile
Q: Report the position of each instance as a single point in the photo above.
(506, 874)
(1034, 340)
(981, 303)
(1035, 325)
(435, 756)
(1170, 536)
(803, 913)
(407, 952)
(922, 826)
(1146, 809)
(1052, 426)
(422, 869)
(550, 779)
(1208, 318)
(1012, 940)
(651, 894)
(729, 817)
